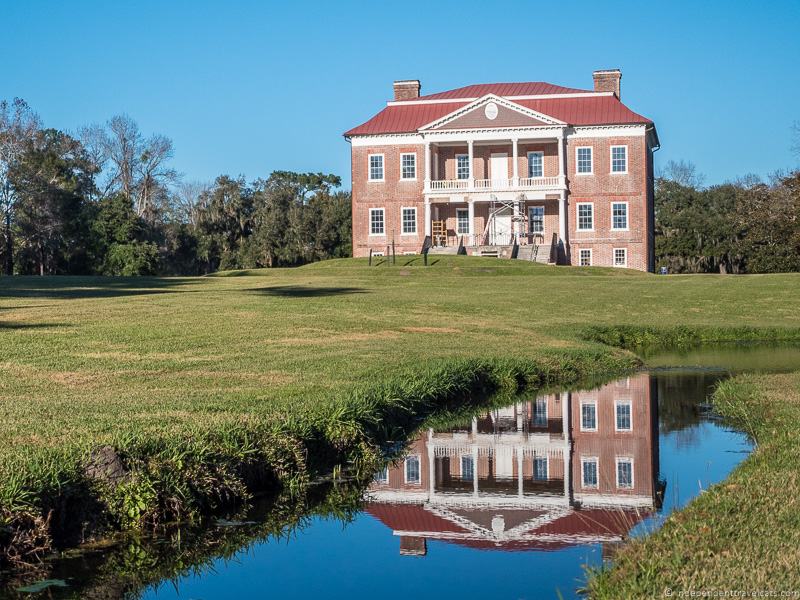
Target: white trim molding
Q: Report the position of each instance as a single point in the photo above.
(369, 168)
(547, 119)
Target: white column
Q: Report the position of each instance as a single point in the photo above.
(565, 423)
(519, 471)
(475, 469)
(431, 471)
(427, 217)
(561, 166)
(471, 213)
(562, 216)
(514, 167)
(471, 154)
(427, 165)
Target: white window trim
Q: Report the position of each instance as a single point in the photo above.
(617, 461)
(628, 403)
(611, 160)
(369, 168)
(577, 216)
(596, 461)
(402, 224)
(591, 257)
(461, 464)
(405, 469)
(378, 253)
(614, 258)
(546, 468)
(591, 152)
(414, 178)
(627, 216)
(540, 153)
(469, 167)
(544, 229)
(371, 210)
(462, 210)
(587, 403)
(546, 412)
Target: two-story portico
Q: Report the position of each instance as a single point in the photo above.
(507, 170)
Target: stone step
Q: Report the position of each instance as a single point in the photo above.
(540, 254)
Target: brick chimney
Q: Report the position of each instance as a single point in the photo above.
(407, 89)
(608, 80)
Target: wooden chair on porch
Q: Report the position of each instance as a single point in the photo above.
(439, 233)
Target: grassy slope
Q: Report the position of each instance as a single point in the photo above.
(92, 361)
(743, 534)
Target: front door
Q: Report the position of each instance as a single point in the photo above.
(498, 169)
(500, 228)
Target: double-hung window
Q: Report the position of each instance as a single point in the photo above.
(583, 157)
(412, 469)
(462, 166)
(408, 166)
(376, 222)
(625, 473)
(619, 215)
(536, 219)
(535, 164)
(409, 216)
(619, 159)
(589, 416)
(589, 472)
(462, 221)
(376, 167)
(585, 216)
(540, 468)
(620, 257)
(623, 416)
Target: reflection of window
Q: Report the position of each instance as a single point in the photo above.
(589, 416)
(625, 473)
(624, 416)
(589, 471)
(540, 413)
(467, 468)
(412, 469)
(540, 468)
(382, 476)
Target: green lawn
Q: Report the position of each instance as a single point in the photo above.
(92, 361)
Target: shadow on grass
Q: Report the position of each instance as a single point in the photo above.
(66, 287)
(8, 325)
(297, 291)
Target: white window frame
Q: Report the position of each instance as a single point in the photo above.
(383, 212)
(540, 154)
(588, 403)
(403, 231)
(627, 217)
(617, 404)
(378, 253)
(596, 461)
(591, 259)
(419, 469)
(458, 221)
(611, 160)
(591, 160)
(546, 467)
(614, 258)
(546, 415)
(578, 215)
(617, 461)
(461, 465)
(402, 177)
(530, 219)
(469, 167)
(369, 168)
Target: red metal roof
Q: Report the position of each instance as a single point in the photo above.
(585, 110)
(529, 88)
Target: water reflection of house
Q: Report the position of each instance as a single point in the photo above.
(563, 469)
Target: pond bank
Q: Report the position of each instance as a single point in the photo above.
(743, 534)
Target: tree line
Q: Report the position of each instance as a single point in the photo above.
(746, 226)
(105, 200)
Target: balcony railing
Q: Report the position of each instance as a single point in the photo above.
(487, 185)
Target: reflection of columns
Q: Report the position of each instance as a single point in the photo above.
(431, 466)
(519, 410)
(471, 213)
(427, 217)
(471, 154)
(514, 166)
(475, 469)
(519, 471)
(566, 400)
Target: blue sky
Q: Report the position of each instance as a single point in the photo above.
(250, 87)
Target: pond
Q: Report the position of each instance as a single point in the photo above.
(513, 502)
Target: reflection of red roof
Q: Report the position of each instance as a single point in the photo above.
(408, 117)
(568, 530)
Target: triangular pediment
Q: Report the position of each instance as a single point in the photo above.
(490, 112)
